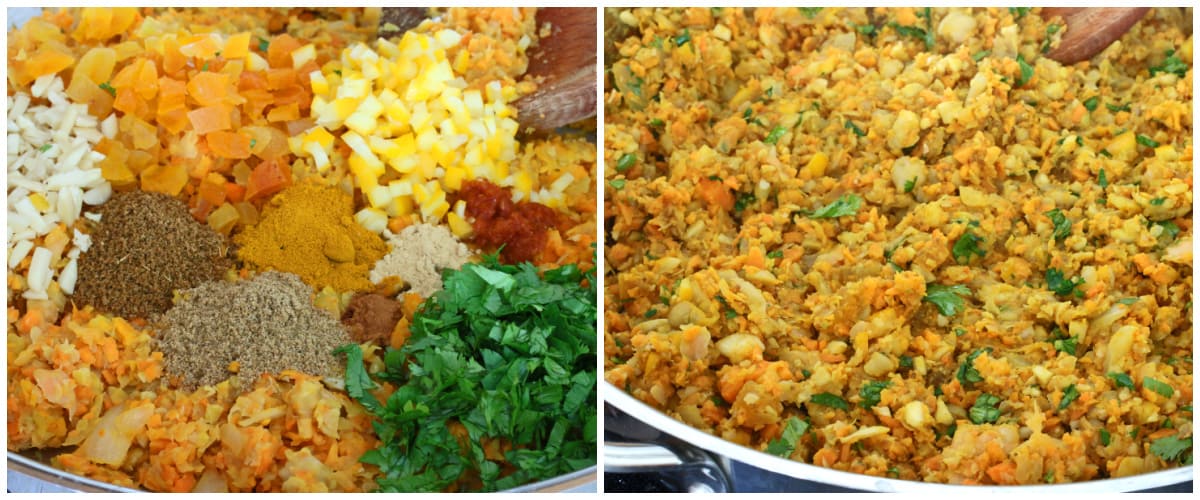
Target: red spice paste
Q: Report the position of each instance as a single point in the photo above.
(520, 227)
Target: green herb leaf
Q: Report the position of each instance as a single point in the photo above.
(846, 204)
(849, 125)
(1172, 64)
(509, 353)
(1122, 380)
(866, 29)
(683, 39)
(1019, 12)
(775, 254)
(1105, 437)
(967, 246)
(793, 430)
(915, 32)
(626, 161)
(743, 200)
(656, 123)
(985, 411)
(830, 400)
(263, 44)
(1158, 201)
(1169, 229)
(810, 12)
(1069, 394)
(1091, 103)
(650, 313)
(358, 381)
(107, 87)
(1146, 141)
(1128, 301)
(775, 134)
(1062, 225)
(253, 142)
(967, 374)
(948, 299)
(906, 361)
(45, 147)
(1103, 180)
(617, 184)
(1026, 71)
(910, 184)
(978, 56)
(1064, 343)
(1170, 448)
(1162, 388)
(1057, 283)
(1115, 108)
(870, 393)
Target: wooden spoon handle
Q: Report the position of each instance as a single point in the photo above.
(566, 61)
(1091, 30)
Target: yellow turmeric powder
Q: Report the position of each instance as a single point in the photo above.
(309, 230)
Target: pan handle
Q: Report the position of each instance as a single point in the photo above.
(642, 467)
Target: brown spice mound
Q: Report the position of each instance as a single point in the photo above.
(265, 324)
(371, 317)
(146, 247)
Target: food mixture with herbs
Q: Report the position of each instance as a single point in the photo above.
(902, 242)
(213, 278)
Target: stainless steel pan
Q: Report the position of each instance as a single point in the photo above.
(624, 457)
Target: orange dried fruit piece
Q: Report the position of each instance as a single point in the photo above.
(168, 179)
(96, 66)
(47, 60)
(237, 46)
(279, 52)
(284, 113)
(172, 94)
(208, 88)
(212, 188)
(210, 119)
(268, 178)
(101, 23)
(226, 144)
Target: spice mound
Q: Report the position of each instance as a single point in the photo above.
(371, 317)
(419, 253)
(265, 324)
(309, 230)
(151, 246)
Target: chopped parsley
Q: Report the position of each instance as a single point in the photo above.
(1103, 179)
(1169, 229)
(1172, 64)
(625, 162)
(984, 411)
(775, 134)
(1069, 394)
(967, 246)
(1114, 108)
(870, 393)
(866, 29)
(925, 35)
(786, 443)
(1122, 380)
(743, 200)
(1026, 71)
(948, 299)
(656, 123)
(683, 39)
(1091, 103)
(263, 44)
(107, 87)
(849, 125)
(1064, 343)
(1146, 141)
(810, 12)
(967, 374)
(776, 254)
(846, 204)
(1062, 225)
(1057, 283)
(906, 361)
(650, 313)
(910, 184)
(1105, 437)
(44, 148)
(978, 56)
(253, 142)
(1050, 30)
(1162, 388)
(1019, 12)
(1172, 449)
(617, 184)
(830, 400)
(506, 351)
(1158, 201)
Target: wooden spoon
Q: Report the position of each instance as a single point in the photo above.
(1090, 29)
(564, 63)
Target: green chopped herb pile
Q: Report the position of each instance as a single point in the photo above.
(503, 352)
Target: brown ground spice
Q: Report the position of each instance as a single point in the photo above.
(265, 324)
(146, 247)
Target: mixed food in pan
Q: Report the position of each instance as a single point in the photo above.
(902, 242)
(295, 250)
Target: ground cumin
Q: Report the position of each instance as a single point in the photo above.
(418, 255)
(309, 230)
